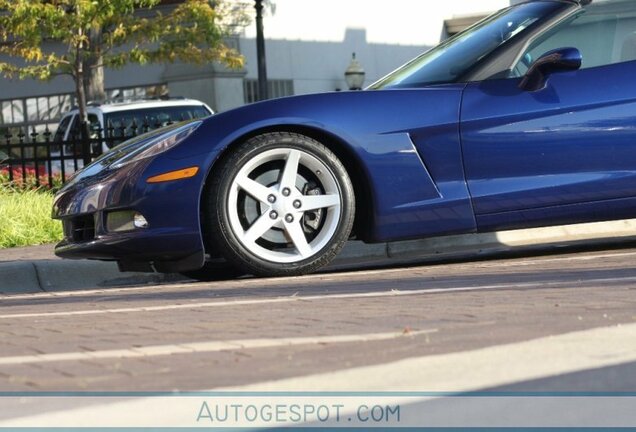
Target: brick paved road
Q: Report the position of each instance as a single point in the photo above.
(194, 336)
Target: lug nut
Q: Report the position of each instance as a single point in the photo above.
(297, 204)
(273, 214)
(286, 192)
(289, 218)
(271, 199)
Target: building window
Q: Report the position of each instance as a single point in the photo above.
(276, 89)
(34, 112)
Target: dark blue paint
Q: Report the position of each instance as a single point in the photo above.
(382, 130)
(173, 237)
(436, 160)
(572, 142)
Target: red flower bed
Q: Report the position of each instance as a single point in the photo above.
(28, 178)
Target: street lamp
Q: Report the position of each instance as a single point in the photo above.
(260, 52)
(354, 75)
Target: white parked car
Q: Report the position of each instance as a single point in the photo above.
(119, 120)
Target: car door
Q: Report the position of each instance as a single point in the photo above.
(565, 153)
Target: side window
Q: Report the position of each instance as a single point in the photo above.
(189, 112)
(129, 123)
(61, 129)
(605, 33)
(75, 128)
(95, 127)
(125, 124)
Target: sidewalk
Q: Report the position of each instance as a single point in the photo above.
(37, 269)
(31, 253)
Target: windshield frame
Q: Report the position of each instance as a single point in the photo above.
(393, 80)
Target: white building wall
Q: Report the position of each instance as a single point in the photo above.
(311, 42)
(316, 66)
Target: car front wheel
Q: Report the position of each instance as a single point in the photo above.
(280, 204)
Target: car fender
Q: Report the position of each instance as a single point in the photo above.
(405, 142)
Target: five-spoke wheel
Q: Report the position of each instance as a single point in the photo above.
(280, 204)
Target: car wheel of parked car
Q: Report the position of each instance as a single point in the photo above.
(279, 204)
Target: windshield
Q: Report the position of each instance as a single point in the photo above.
(453, 58)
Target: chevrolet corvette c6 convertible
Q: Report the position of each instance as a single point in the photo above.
(526, 119)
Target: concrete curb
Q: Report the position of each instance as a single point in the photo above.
(51, 275)
(17, 277)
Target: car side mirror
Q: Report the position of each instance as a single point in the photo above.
(558, 60)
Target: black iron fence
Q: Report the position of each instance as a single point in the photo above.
(40, 159)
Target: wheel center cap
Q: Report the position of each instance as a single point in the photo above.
(285, 205)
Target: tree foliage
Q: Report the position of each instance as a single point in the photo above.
(93, 34)
(131, 31)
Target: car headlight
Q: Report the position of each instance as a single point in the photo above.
(159, 144)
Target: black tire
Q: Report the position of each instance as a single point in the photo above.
(216, 206)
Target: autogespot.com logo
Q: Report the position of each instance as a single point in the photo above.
(296, 413)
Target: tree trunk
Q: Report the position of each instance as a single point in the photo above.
(83, 115)
(95, 81)
(94, 69)
(79, 75)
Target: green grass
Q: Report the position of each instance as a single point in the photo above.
(25, 218)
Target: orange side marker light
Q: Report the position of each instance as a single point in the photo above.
(174, 175)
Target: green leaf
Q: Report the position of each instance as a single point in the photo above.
(126, 31)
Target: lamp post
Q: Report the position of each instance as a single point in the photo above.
(260, 51)
(354, 75)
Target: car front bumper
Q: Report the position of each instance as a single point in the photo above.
(170, 243)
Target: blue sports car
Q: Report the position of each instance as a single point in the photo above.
(526, 119)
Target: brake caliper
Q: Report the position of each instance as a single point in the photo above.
(312, 219)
